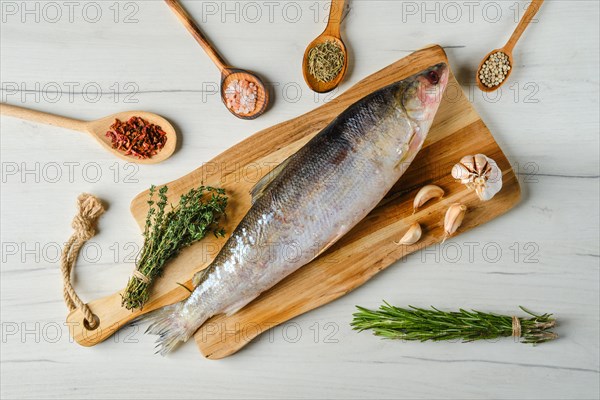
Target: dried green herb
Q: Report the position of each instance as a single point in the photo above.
(325, 61)
(166, 233)
(425, 324)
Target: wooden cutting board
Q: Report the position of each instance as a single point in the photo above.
(367, 249)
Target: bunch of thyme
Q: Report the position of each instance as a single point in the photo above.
(432, 324)
(166, 233)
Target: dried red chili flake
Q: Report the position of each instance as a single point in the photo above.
(137, 137)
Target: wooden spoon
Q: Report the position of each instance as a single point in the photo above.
(331, 33)
(98, 128)
(533, 8)
(228, 73)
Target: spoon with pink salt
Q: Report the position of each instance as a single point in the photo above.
(242, 91)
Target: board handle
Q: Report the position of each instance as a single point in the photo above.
(111, 316)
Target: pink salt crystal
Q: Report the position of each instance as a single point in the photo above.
(241, 96)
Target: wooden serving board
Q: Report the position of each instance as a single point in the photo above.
(367, 249)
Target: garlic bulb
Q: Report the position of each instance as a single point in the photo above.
(412, 235)
(479, 173)
(425, 194)
(453, 219)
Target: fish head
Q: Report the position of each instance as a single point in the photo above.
(422, 95)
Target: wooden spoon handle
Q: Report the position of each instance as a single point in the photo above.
(191, 26)
(336, 12)
(533, 8)
(42, 117)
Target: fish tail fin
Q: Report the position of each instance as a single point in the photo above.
(170, 324)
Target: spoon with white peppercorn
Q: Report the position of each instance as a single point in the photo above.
(497, 65)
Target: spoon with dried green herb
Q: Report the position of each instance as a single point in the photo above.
(326, 59)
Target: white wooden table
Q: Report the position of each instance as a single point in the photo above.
(88, 59)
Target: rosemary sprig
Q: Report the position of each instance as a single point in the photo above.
(167, 232)
(421, 324)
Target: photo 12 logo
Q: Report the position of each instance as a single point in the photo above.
(288, 332)
(484, 252)
(68, 171)
(253, 12)
(53, 92)
(459, 12)
(53, 12)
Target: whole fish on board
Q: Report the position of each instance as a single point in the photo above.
(310, 201)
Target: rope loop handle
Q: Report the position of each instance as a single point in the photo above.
(90, 208)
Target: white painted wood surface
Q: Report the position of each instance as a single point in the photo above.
(543, 255)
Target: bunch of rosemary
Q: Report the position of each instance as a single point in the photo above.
(166, 233)
(425, 324)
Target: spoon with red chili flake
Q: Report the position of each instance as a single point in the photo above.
(135, 136)
(242, 91)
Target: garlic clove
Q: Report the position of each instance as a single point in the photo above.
(460, 172)
(412, 235)
(453, 219)
(495, 173)
(492, 187)
(469, 162)
(480, 163)
(425, 194)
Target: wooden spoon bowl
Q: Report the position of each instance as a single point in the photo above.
(262, 95)
(311, 81)
(98, 128)
(480, 84)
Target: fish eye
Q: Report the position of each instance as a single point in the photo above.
(433, 77)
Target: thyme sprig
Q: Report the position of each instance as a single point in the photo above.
(421, 324)
(166, 232)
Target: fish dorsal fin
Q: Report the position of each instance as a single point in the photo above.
(260, 187)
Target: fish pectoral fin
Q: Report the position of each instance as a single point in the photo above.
(329, 244)
(260, 187)
(199, 277)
